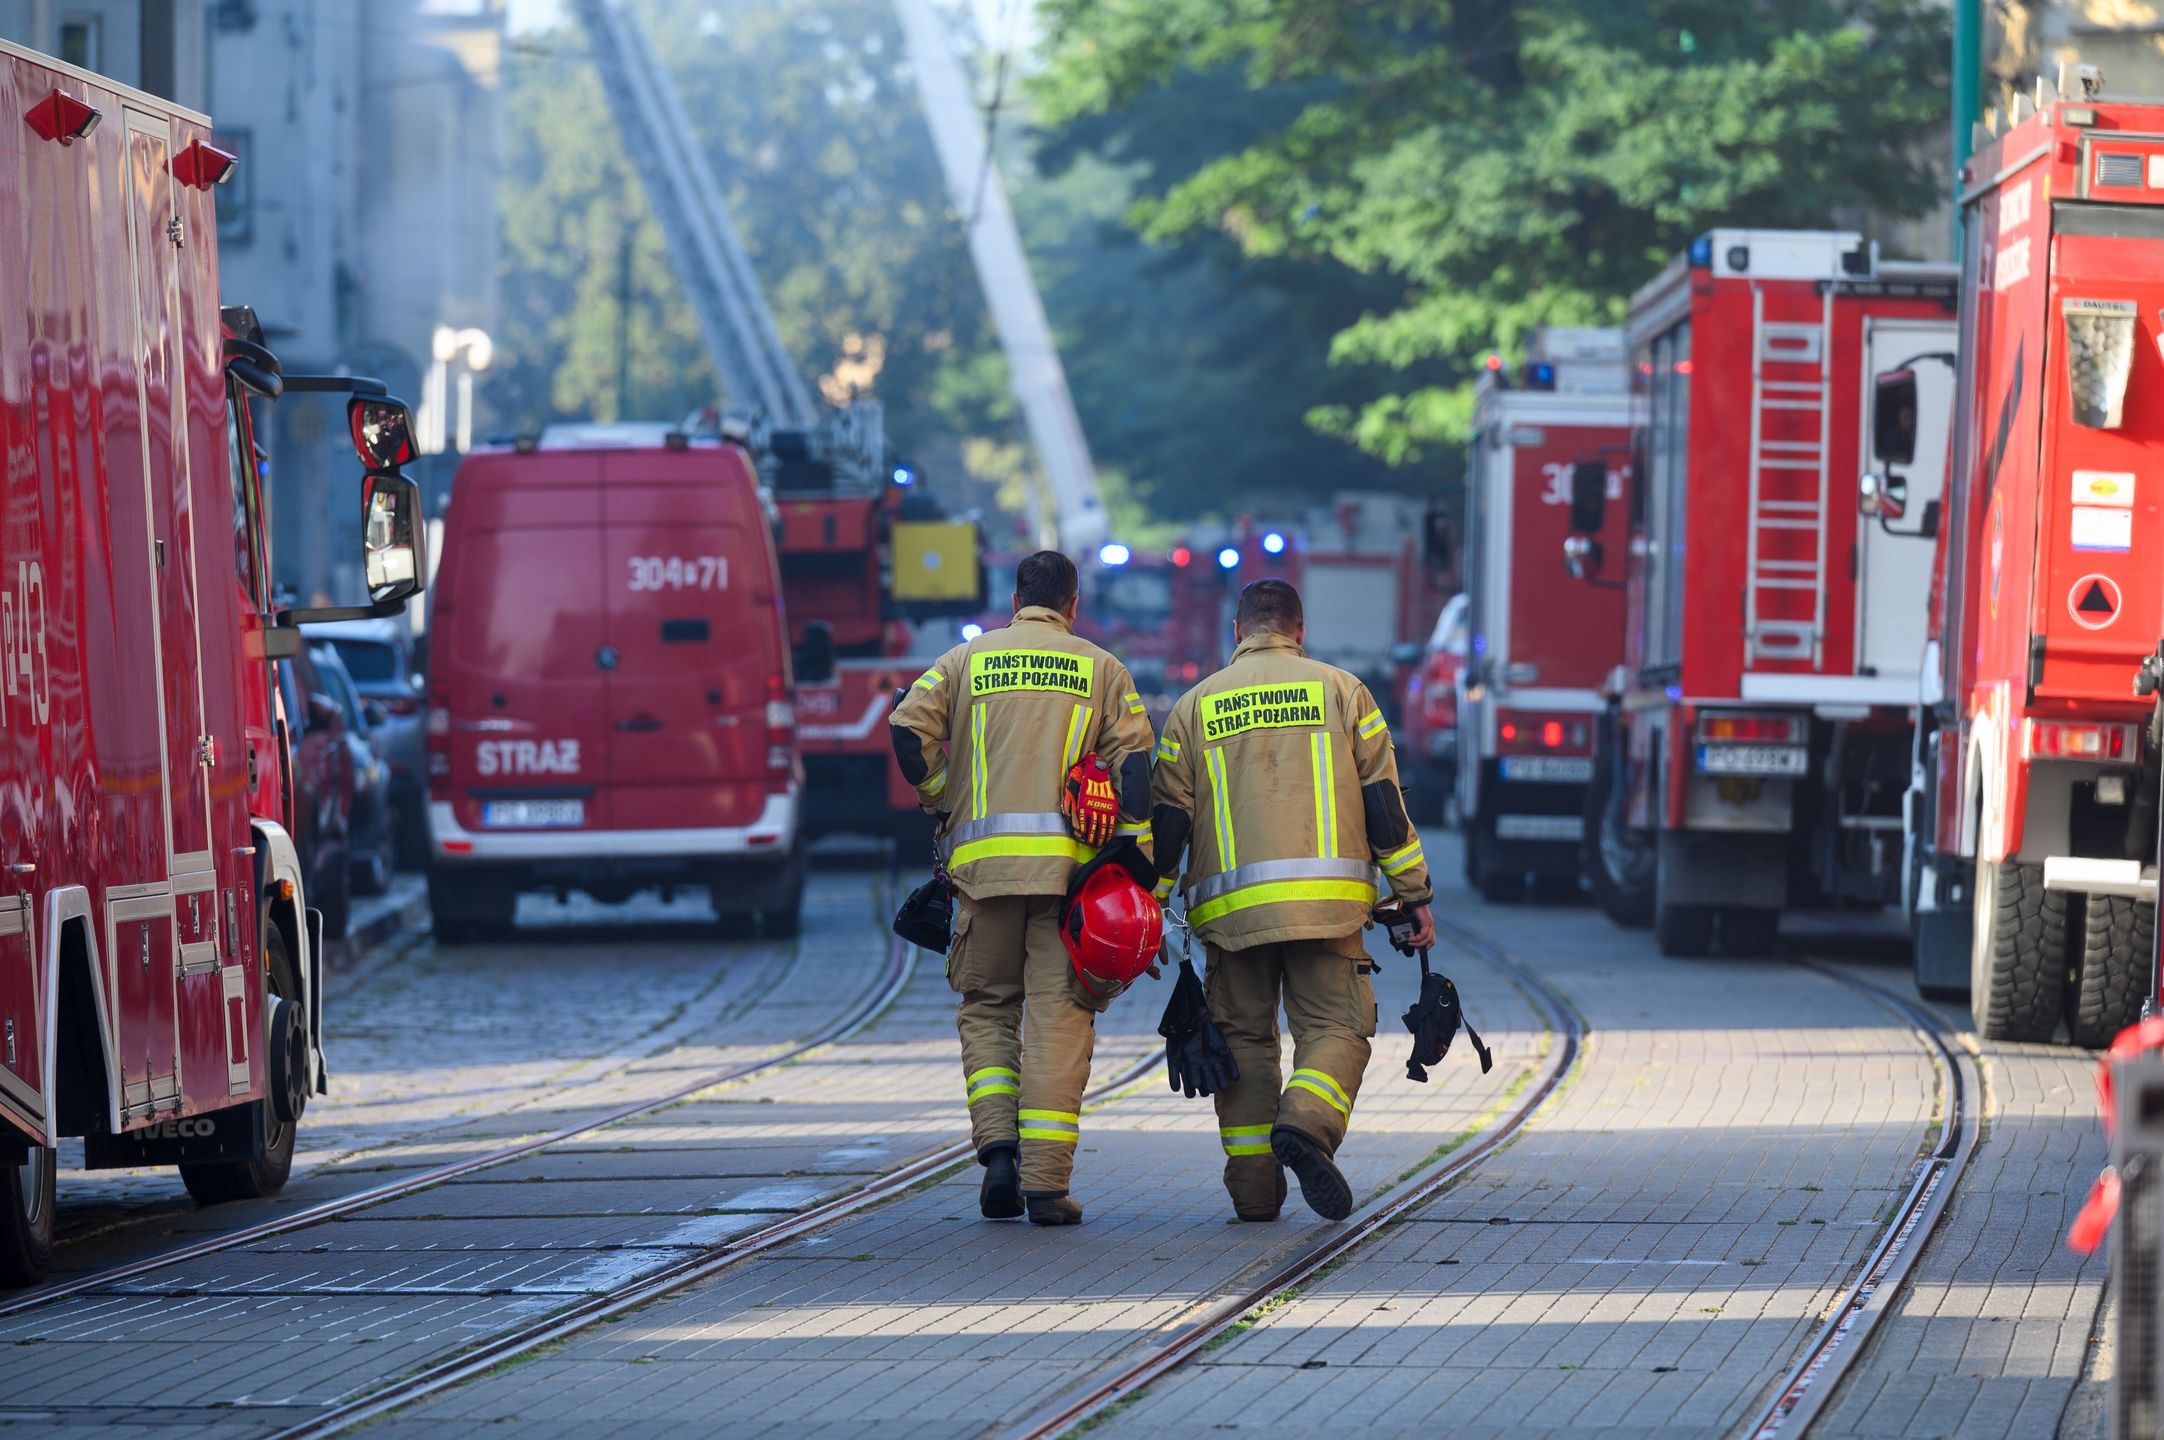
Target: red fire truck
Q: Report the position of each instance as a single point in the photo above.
(864, 554)
(2033, 828)
(1163, 612)
(1755, 750)
(1541, 644)
(161, 986)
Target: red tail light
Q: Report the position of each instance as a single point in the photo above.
(2066, 740)
(781, 757)
(1551, 734)
(1509, 733)
(401, 704)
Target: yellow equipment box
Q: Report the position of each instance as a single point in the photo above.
(935, 561)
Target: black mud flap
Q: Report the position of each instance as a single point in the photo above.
(315, 992)
(235, 1133)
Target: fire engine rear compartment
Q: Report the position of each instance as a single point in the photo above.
(1762, 732)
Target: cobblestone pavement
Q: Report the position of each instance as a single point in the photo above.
(1645, 1260)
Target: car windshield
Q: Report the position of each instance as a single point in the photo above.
(367, 661)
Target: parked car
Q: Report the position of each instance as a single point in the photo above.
(321, 782)
(372, 851)
(383, 659)
(1428, 717)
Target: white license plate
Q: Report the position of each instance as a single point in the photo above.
(1539, 827)
(1752, 759)
(1574, 769)
(532, 814)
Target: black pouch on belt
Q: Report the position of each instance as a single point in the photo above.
(926, 918)
(1434, 1020)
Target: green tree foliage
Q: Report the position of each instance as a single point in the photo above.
(813, 128)
(1505, 164)
(1193, 367)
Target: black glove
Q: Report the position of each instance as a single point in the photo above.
(1434, 1020)
(1196, 1056)
(926, 918)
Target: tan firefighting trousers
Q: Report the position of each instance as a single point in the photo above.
(1026, 1040)
(1330, 1006)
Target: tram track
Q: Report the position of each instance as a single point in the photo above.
(887, 985)
(1834, 1348)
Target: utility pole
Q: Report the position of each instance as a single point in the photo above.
(1968, 81)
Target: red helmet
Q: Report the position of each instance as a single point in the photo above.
(1111, 925)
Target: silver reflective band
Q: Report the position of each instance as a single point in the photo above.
(1262, 872)
(1021, 823)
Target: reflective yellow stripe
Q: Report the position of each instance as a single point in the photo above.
(993, 1080)
(931, 787)
(1324, 759)
(1278, 891)
(1135, 827)
(1320, 1084)
(1168, 749)
(1019, 847)
(1245, 1139)
(1372, 722)
(976, 759)
(1227, 850)
(1401, 859)
(1050, 1125)
(930, 680)
(1134, 703)
(1163, 892)
(1076, 720)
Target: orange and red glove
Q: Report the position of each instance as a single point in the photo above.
(1090, 801)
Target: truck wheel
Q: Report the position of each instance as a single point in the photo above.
(2018, 955)
(213, 1182)
(1618, 863)
(2111, 973)
(1493, 884)
(781, 915)
(1749, 930)
(26, 1218)
(466, 909)
(1684, 931)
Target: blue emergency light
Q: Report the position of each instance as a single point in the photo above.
(1228, 559)
(1273, 543)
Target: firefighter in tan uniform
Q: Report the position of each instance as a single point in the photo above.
(989, 736)
(1279, 770)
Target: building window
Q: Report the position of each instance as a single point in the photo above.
(82, 40)
(236, 197)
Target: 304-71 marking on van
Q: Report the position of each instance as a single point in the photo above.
(678, 572)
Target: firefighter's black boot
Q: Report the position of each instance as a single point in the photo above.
(1000, 1196)
(1054, 1210)
(1322, 1184)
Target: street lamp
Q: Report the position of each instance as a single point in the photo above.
(472, 351)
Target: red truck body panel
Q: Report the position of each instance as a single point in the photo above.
(137, 745)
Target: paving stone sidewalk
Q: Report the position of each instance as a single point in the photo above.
(1643, 1261)
(919, 1317)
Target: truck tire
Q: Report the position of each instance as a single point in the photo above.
(26, 1218)
(1618, 865)
(1749, 930)
(467, 909)
(781, 915)
(1683, 931)
(2111, 971)
(213, 1182)
(2018, 955)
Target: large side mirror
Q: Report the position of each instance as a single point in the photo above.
(382, 431)
(1893, 418)
(814, 659)
(1883, 497)
(394, 541)
(1588, 496)
(1584, 556)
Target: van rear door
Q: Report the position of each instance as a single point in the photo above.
(526, 664)
(692, 616)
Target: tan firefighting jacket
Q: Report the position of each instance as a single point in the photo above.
(988, 734)
(1280, 770)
